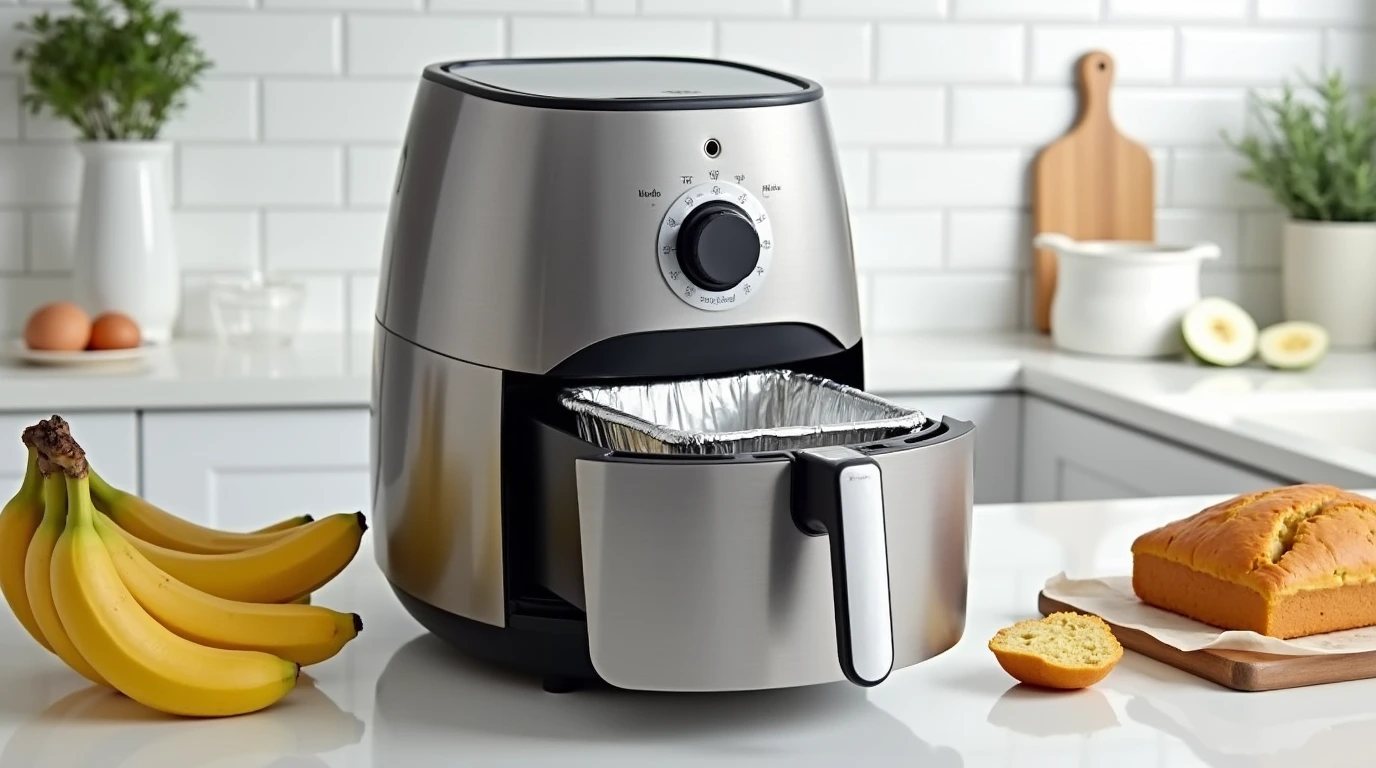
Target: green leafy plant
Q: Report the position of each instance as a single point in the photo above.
(1316, 153)
(117, 71)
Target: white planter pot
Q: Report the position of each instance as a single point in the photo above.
(1328, 275)
(125, 257)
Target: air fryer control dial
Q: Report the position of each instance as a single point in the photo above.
(715, 243)
(717, 246)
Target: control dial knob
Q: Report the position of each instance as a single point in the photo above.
(717, 246)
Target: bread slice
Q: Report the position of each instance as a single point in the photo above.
(1063, 650)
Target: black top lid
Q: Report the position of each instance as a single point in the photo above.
(624, 83)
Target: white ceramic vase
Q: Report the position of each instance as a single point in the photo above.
(126, 258)
(1328, 275)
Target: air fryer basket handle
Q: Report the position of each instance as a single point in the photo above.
(838, 492)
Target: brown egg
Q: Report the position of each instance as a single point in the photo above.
(60, 326)
(114, 330)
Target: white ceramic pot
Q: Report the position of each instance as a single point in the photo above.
(125, 257)
(1328, 276)
(1122, 298)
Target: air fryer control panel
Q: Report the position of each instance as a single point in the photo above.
(714, 245)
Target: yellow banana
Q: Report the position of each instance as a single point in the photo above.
(285, 570)
(305, 634)
(37, 581)
(157, 526)
(286, 525)
(18, 521)
(143, 659)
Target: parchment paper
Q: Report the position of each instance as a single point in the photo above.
(1112, 599)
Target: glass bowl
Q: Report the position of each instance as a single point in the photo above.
(256, 311)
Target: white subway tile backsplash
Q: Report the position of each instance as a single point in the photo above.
(288, 152)
(983, 116)
(21, 295)
(1350, 53)
(990, 240)
(833, 51)
(11, 39)
(615, 7)
(1079, 10)
(872, 9)
(1262, 235)
(511, 6)
(887, 114)
(1187, 227)
(336, 5)
(1179, 116)
(39, 174)
(216, 241)
(945, 302)
(1209, 179)
(1143, 54)
(950, 53)
(268, 44)
(285, 175)
(1261, 56)
(405, 45)
(605, 36)
(9, 108)
(897, 240)
(951, 178)
(362, 303)
(855, 174)
(336, 110)
(222, 109)
(52, 240)
(1177, 9)
(723, 8)
(324, 241)
(1258, 291)
(1354, 12)
(11, 241)
(372, 175)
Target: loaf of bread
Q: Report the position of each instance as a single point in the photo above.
(1285, 562)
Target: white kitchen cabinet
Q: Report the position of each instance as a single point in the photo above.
(997, 420)
(241, 470)
(110, 439)
(1070, 456)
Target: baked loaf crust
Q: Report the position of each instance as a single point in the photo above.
(1286, 562)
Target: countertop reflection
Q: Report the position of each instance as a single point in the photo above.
(398, 697)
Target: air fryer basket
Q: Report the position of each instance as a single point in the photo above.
(759, 411)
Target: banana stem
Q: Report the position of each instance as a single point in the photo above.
(79, 510)
(54, 500)
(32, 486)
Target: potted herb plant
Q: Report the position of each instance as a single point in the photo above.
(1315, 158)
(118, 71)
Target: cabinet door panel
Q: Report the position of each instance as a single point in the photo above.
(111, 440)
(997, 424)
(1072, 456)
(244, 470)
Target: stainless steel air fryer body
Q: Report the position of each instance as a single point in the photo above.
(559, 223)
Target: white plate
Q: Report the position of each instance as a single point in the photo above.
(104, 356)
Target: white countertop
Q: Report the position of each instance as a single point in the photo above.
(1248, 414)
(397, 697)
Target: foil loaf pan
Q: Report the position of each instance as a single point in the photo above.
(770, 410)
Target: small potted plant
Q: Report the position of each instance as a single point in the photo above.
(117, 71)
(1315, 158)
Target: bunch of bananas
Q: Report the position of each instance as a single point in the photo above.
(182, 618)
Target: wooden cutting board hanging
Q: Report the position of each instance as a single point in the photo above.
(1091, 184)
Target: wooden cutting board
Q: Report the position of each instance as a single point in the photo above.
(1239, 670)
(1091, 184)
